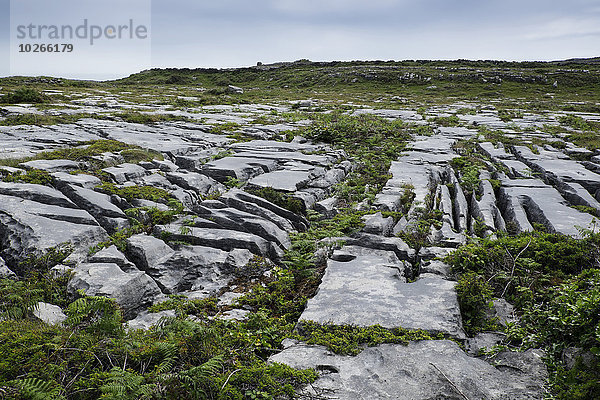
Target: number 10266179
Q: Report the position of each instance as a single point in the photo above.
(45, 48)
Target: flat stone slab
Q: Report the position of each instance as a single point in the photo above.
(370, 290)
(285, 180)
(242, 168)
(423, 370)
(50, 165)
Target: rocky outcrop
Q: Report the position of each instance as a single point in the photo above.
(420, 371)
(133, 291)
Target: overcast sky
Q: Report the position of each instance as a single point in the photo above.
(227, 33)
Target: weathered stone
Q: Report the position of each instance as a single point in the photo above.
(283, 218)
(202, 184)
(126, 172)
(133, 291)
(113, 255)
(235, 89)
(544, 205)
(435, 267)
(38, 193)
(224, 239)
(331, 178)
(49, 313)
(422, 370)
(97, 204)
(327, 207)
(371, 290)
(50, 165)
(242, 168)
(284, 180)
(61, 271)
(231, 218)
(482, 342)
(146, 320)
(28, 227)
(378, 225)
(395, 244)
(83, 180)
(5, 272)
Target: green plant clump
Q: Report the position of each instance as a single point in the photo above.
(130, 193)
(553, 281)
(24, 95)
(351, 340)
(35, 176)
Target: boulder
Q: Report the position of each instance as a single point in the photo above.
(28, 227)
(133, 291)
(49, 313)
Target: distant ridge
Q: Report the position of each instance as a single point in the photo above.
(593, 60)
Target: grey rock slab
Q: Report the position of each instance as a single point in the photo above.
(445, 205)
(368, 290)
(49, 313)
(388, 201)
(395, 244)
(274, 146)
(577, 195)
(146, 320)
(284, 180)
(224, 239)
(202, 184)
(446, 236)
(482, 342)
(231, 218)
(165, 165)
(83, 180)
(113, 255)
(485, 209)
(51, 165)
(284, 156)
(556, 165)
(420, 371)
(461, 207)
(97, 204)
(430, 253)
(436, 267)
(242, 168)
(257, 205)
(37, 193)
(378, 225)
(495, 151)
(28, 227)
(544, 206)
(194, 268)
(327, 207)
(308, 199)
(133, 291)
(331, 178)
(434, 144)
(126, 172)
(156, 180)
(60, 271)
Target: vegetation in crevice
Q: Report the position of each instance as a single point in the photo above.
(553, 281)
(351, 340)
